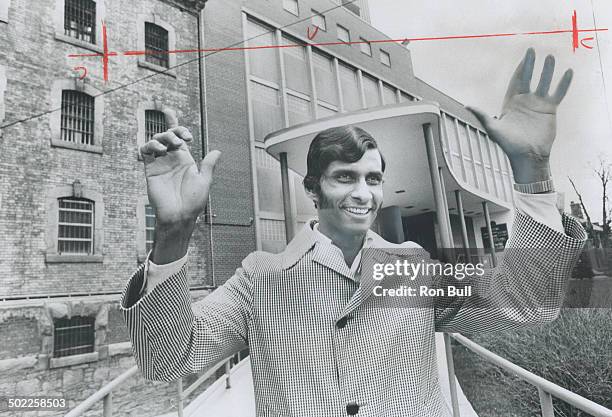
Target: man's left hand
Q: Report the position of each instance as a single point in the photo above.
(526, 128)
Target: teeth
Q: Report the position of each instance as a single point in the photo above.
(355, 210)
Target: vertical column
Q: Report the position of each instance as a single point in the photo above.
(364, 103)
(339, 85)
(446, 211)
(283, 80)
(464, 235)
(442, 217)
(288, 201)
(485, 208)
(390, 221)
(313, 84)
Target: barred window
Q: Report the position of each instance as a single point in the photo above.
(80, 19)
(77, 124)
(73, 336)
(155, 122)
(75, 227)
(149, 227)
(156, 45)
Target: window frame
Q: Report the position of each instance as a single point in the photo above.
(141, 134)
(297, 7)
(156, 20)
(90, 225)
(58, 19)
(52, 254)
(386, 54)
(55, 118)
(316, 14)
(153, 57)
(91, 334)
(340, 29)
(365, 43)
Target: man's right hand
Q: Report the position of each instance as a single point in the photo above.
(177, 187)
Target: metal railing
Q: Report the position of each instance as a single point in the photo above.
(105, 394)
(182, 394)
(546, 388)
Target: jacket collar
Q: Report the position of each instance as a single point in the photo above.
(325, 252)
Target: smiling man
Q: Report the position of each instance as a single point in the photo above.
(320, 343)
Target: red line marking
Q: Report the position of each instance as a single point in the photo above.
(105, 48)
(582, 42)
(436, 38)
(312, 36)
(84, 74)
(575, 31)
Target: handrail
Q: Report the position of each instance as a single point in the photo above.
(181, 395)
(104, 393)
(545, 387)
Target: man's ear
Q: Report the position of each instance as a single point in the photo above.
(312, 195)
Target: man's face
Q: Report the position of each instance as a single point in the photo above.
(351, 194)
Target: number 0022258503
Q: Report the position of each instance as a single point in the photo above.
(32, 403)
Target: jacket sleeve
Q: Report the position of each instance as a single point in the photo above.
(172, 338)
(527, 287)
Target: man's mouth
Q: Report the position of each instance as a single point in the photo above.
(359, 211)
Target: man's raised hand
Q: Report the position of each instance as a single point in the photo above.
(526, 128)
(177, 187)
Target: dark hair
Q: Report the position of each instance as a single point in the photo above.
(345, 143)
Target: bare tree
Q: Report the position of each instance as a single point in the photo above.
(603, 172)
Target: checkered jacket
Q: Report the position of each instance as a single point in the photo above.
(321, 344)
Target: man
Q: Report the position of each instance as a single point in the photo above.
(320, 343)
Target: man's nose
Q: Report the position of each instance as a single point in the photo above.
(361, 191)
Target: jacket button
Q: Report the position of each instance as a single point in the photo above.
(341, 323)
(352, 409)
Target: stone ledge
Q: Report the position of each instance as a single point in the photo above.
(73, 360)
(157, 68)
(78, 42)
(14, 364)
(122, 348)
(58, 143)
(55, 258)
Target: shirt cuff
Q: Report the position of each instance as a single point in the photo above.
(540, 207)
(156, 274)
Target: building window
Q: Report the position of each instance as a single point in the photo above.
(318, 20)
(149, 227)
(73, 336)
(343, 34)
(291, 6)
(75, 226)
(155, 122)
(79, 125)
(156, 45)
(352, 7)
(80, 20)
(365, 46)
(77, 117)
(385, 58)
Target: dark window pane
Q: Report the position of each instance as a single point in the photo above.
(155, 122)
(156, 44)
(76, 227)
(77, 117)
(73, 336)
(80, 19)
